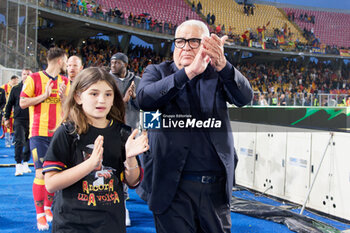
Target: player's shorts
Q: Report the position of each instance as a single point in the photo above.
(38, 147)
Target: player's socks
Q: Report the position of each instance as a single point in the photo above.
(39, 197)
(47, 205)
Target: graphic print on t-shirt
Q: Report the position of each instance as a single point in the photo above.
(99, 186)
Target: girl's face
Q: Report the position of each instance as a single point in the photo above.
(96, 102)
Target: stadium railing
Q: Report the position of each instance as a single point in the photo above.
(299, 99)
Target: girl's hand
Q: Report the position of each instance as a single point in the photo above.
(136, 146)
(97, 154)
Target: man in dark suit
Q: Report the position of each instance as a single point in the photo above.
(21, 126)
(189, 170)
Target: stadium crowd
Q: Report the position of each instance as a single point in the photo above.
(98, 52)
(113, 15)
(289, 79)
(297, 81)
(275, 38)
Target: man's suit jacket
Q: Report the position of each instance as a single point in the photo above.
(163, 87)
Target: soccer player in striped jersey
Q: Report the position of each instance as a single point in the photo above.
(43, 92)
(8, 87)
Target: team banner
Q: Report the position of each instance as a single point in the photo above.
(344, 52)
(281, 39)
(318, 50)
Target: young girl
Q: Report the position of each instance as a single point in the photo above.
(89, 157)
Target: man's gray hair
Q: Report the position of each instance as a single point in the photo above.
(195, 23)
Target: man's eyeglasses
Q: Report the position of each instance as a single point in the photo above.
(192, 42)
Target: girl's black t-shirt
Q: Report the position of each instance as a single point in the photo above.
(96, 202)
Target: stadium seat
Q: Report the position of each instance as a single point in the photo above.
(332, 28)
(174, 11)
(230, 13)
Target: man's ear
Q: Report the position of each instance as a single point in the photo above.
(59, 60)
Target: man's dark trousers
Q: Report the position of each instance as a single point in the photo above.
(197, 207)
(21, 129)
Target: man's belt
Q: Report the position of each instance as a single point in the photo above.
(202, 179)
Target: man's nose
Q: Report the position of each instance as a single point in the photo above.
(187, 46)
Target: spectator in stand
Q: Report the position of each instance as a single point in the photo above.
(166, 27)
(199, 7)
(21, 125)
(262, 100)
(245, 10)
(282, 100)
(119, 15)
(160, 26)
(313, 19)
(218, 29)
(348, 101)
(148, 21)
(213, 19)
(208, 18)
(307, 100)
(230, 32)
(130, 19)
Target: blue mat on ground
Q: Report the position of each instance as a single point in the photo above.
(7, 154)
(247, 195)
(17, 212)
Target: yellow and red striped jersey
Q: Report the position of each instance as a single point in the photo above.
(45, 116)
(7, 87)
